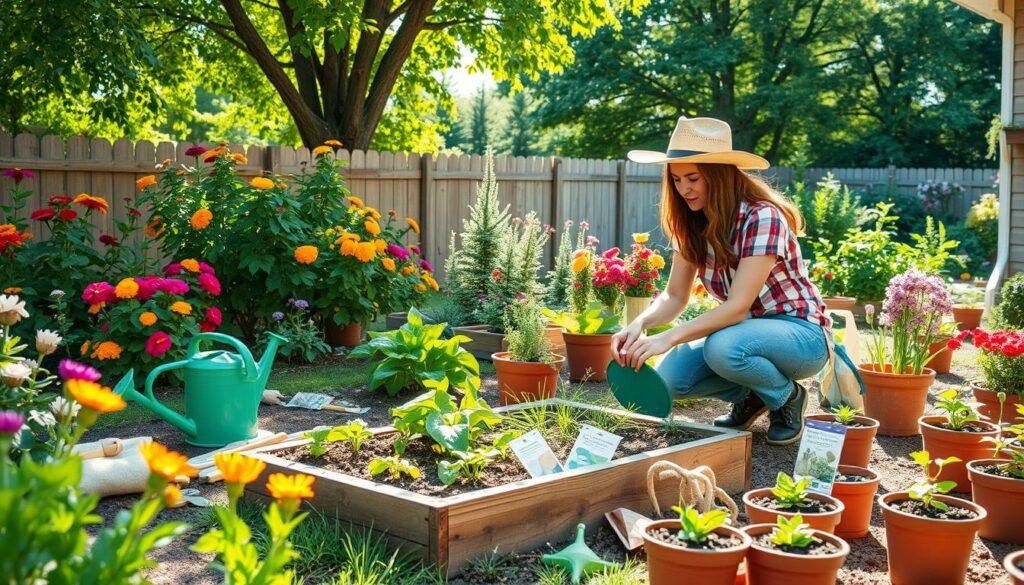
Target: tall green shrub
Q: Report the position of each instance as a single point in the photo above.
(556, 292)
(1009, 314)
(829, 212)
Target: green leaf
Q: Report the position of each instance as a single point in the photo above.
(448, 472)
(449, 430)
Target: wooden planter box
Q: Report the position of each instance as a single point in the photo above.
(485, 342)
(520, 516)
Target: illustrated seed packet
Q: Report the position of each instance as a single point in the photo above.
(593, 445)
(535, 454)
(818, 455)
(309, 400)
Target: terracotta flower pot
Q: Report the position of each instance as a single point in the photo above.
(839, 303)
(927, 550)
(942, 362)
(943, 443)
(669, 564)
(347, 335)
(989, 399)
(766, 566)
(525, 381)
(967, 318)
(588, 353)
(1014, 565)
(858, 442)
(858, 497)
(824, 521)
(1002, 498)
(896, 401)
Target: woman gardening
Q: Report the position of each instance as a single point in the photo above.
(740, 237)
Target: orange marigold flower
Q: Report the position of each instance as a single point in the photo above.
(93, 309)
(433, 284)
(381, 246)
(306, 254)
(239, 158)
(373, 213)
(290, 487)
(412, 223)
(107, 350)
(92, 202)
(365, 251)
(181, 308)
(126, 289)
(421, 287)
(334, 143)
(348, 247)
(190, 264)
(155, 226)
(408, 270)
(172, 495)
(148, 318)
(212, 155)
(84, 349)
(965, 276)
(238, 468)
(95, 396)
(145, 182)
(12, 290)
(261, 183)
(372, 227)
(388, 264)
(353, 200)
(322, 150)
(201, 219)
(164, 462)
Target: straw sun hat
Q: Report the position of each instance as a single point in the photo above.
(701, 140)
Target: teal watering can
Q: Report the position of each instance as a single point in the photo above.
(222, 391)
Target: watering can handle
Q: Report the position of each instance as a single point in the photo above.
(156, 372)
(248, 363)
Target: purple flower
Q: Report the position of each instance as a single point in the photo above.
(416, 250)
(72, 370)
(10, 422)
(301, 304)
(398, 252)
(17, 174)
(195, 150)
(426, 265)
(520, 296)
(277, 316)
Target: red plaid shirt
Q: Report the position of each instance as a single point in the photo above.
(761, 230)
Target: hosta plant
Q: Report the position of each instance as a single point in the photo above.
(593, 320)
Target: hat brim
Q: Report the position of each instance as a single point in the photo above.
(742, 160)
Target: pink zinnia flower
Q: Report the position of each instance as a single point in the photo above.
(172, 269)
(195, 150)
(158, 344)
(10, 422)
(72, 370)
(416, 250)
(206, 268)
(611, 253)
(209, 283)
(98, 292)
(426, 265)
(17, 174)
(398, 252)
(173, 286)
(148, 285)
(213, 315)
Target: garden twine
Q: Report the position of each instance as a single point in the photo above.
(697, 487)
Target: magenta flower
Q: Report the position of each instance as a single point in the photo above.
(158, 344)
(209, 283)
(213, 315)
(72, 370)
(98, 292)
(610, 253)
(195, 150)
(172, 269)
(148, 285)
(10, 422)
(206, 268)
(426, 265)
(17, 174)
(416, 250)
(173, 286)
(398, 252)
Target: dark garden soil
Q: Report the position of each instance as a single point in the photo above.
(713, 542)
(866, 563)
(996, 471)
(841, 478)
(814, 507)
(920, 509)
(817, 549)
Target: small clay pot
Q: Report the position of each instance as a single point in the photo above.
(927, 550)
(858, 442)
(989, 399)
(1002, 498)
(858, 497)
(943, 443)
(525, 381)
(824, 521)
(766, 566)
(668, 564)
(588, 353)
(1014, 565)
(349, 335)
(896, 401)
(942, 362)
(967, 318)
(839, 303)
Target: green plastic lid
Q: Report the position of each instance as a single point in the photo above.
(644, 391)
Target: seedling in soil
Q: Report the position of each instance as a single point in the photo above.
(790, 493)
(926, 488)
(845, 414)
(792, 533)
(696, 527)
(354, 432)
(958, 412)
(395, 465)
(319, 445)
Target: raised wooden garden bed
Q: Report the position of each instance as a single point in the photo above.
(519, 516)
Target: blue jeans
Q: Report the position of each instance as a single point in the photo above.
(764, 355)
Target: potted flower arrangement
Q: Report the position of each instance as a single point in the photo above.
(1002, 371)
(895, 377)
(997, 484)
(929, 534)
(860, 433)
(790, 498)
(855, 487)
(529, 369)
(697, 548)
(957, 434)
(830, 287)
(789, 551)
(587, 336)
(609, 279)
(968, 307)
(642, 266)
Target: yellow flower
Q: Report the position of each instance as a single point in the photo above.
(657, 262)
(201, 219)
(373, 213)
(126, 289)
(290, 487)
(190, 264)
(238, 468)
(93, 395)
(261, 183)
(641, 238)
(412, 223)
(353, 200)
(93, 309)
(408, 270)
(433, 283)
(107, 350)
(306, 254)
(580, 262)
(164, 462)
(365, 251)
(148, 318)
(381, 246)
(239, 158)
(421, 287)
(172, 495)
(144, 182)
(334, 143)
(388, 264)
(372, 227)
(348, 247)
(348, 236)
(181, 308)
(92, 202)
(965, 276)
(322, 150)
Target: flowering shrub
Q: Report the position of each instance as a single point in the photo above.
(296, 324)
(912, 314)
(149, 320)
(582, 270)
(935, 196)
(1001, 363)
(642, 266)
(983, 220)
(609, 279)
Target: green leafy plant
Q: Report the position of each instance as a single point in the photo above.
(594, 320)
(695, 526)
(968, 296)
(354, 433)
(515, 272)
(468, 464)
(793, 533)
(931, 251)
(527, 341)
(296, 324)
(863, 262)
(415, 357)
(790, 493)
(983, 220)
(556, 291)
(958, 411)
(927, 486)
(318, 448)
(396, 466)
(1009, 445)
(845, 414)
(1009, 313)
(830, 211)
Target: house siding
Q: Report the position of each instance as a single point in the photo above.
(1016, 263)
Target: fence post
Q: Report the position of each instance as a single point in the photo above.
(892, 186)
(556, 189)
(272, 159)
(426, 180)
(620, 198)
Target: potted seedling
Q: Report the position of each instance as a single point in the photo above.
(968, 308)
(958, 433)
(860, 433)
(588, 340)
(1014, 564)
(929, 534)
(1002, 366)
(529, 369)
(790, 551)
(697, 548)
(997, 484)
(855, 487)
(789, 498)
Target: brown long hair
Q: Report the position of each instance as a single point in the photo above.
(693, 231)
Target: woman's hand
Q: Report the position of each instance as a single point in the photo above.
(645, 348)
(624, 340)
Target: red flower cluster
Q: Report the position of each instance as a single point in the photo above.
(57, 207)
(1008, 342)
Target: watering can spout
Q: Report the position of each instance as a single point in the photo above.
(126, 389)
(266, 362)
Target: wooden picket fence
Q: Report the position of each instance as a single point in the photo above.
(615, 197)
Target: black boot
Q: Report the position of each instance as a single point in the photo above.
(744, 413)
(786, 424)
